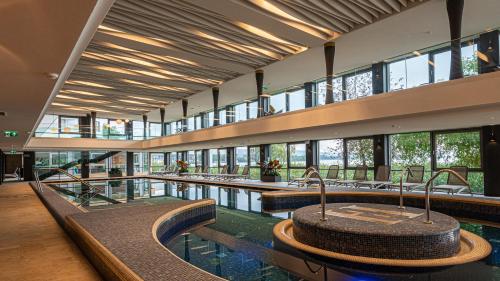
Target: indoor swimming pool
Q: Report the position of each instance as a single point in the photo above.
(239, 245)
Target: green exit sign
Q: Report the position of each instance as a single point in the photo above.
(10, 134)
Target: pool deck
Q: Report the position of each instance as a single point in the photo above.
(32, 245)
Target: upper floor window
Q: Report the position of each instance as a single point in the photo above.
(296, 100)
(409, 72)
(337, 91)
(442, 61)
(252, 110)
(222, 117)
(278, 102)
(359, 85)
(190, 124)
(240, 112)
(137, 130)
(154, 129)
(70, 127)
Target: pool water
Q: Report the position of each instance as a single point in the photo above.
(238, 246)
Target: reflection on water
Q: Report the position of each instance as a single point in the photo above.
(239, 245)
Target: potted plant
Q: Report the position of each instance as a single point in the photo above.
(114, 173)
(271, 171)
(183, 166)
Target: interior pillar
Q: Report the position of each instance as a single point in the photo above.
(488, 46)
(379, 151)
(145, 124)
(130, 163)
(329, 49)
(491, 159)
(215, 95)
(311, 153)
(309, 90)
(262, 103)
(84, 166)
(455, 10)
(28, 163)
(231, 161)
(162, 121)
(184, 115)
(379, 78)
(93, 117)
(129, 130)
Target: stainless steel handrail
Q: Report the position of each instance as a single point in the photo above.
(408, 172)
(314, 172)
(427, 193)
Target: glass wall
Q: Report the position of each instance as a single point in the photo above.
(296, 100)
(69, 127)
(254, 158)
(278, 102)
(331, 152)
(279, 151)
(157, 161)
(116, 129)
(296, 159)
(137, 130)
(337, 90)
(241, 156)
(154, 129)
(191, 160)
(359, 85)
(213, 161)
(141, 164)
(240, 112)
(410, 149)
(409, 72)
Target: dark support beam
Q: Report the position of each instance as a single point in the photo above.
(28, 163)
(230, 114)
(455, 10)
(215, 95)
(93, 117)
(309, 90)
(329, 49)
(85, 167)
(491, 159)
(184, 115)
(488, 49)
(145, 124)
(379, 151)
(2, 166)
(204, 158)
(262, 102)
(231, 159)
(166, 159)
(162, 121)
(312, 153)
(129, 130)
(379, 78)
(130, 163)
(264, 155)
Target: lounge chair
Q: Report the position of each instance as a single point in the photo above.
(15, 175)
(332, 176)
(197, 170)
(245, 174)
(453, 184)
(414, 180)
(359, 176)
(382, 178)
(302, 180)
(224, 172)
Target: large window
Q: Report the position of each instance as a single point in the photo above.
(157, 162)
(190, 124)
(48, 127)
(154, 129)
(252, 110)
(197, 122)
(222, 117)
(70, 127)
(278, 102)
(191, 159)
(331, 152)
(138, 130)
(209, 119)
(116, 129)
(409, 149)
(359, 85)
(296, 100)
(173, 158)
(296, 159)
(279, 151)
(337, 91)
(213, 160)
(241, 155)
(254, 157)
(409, 72)
(359, 152)
(240, 112)
(141, 164)
(199, 158)
(442, 63)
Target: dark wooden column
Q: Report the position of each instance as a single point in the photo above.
(204, 158)
(488, 46)
(309, 90)
(329, 49)
(379, 151)
(491, 159)
(93, 116)
(215, 95)
(264, 155)
(85, 167)
(455, 10)
(311, 153)
(184, 115)
(162, 121)
(379, 78)
(129, 130)
(28, 163)
(130, 163)
(2, 166)
(231, 161)
(262, 102)
(145, 124)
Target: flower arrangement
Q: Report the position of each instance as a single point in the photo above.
(271, 168)
(183, 166)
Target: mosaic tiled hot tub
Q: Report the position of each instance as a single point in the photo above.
(379, 231)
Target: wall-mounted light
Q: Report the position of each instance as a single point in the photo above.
(492, 138)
